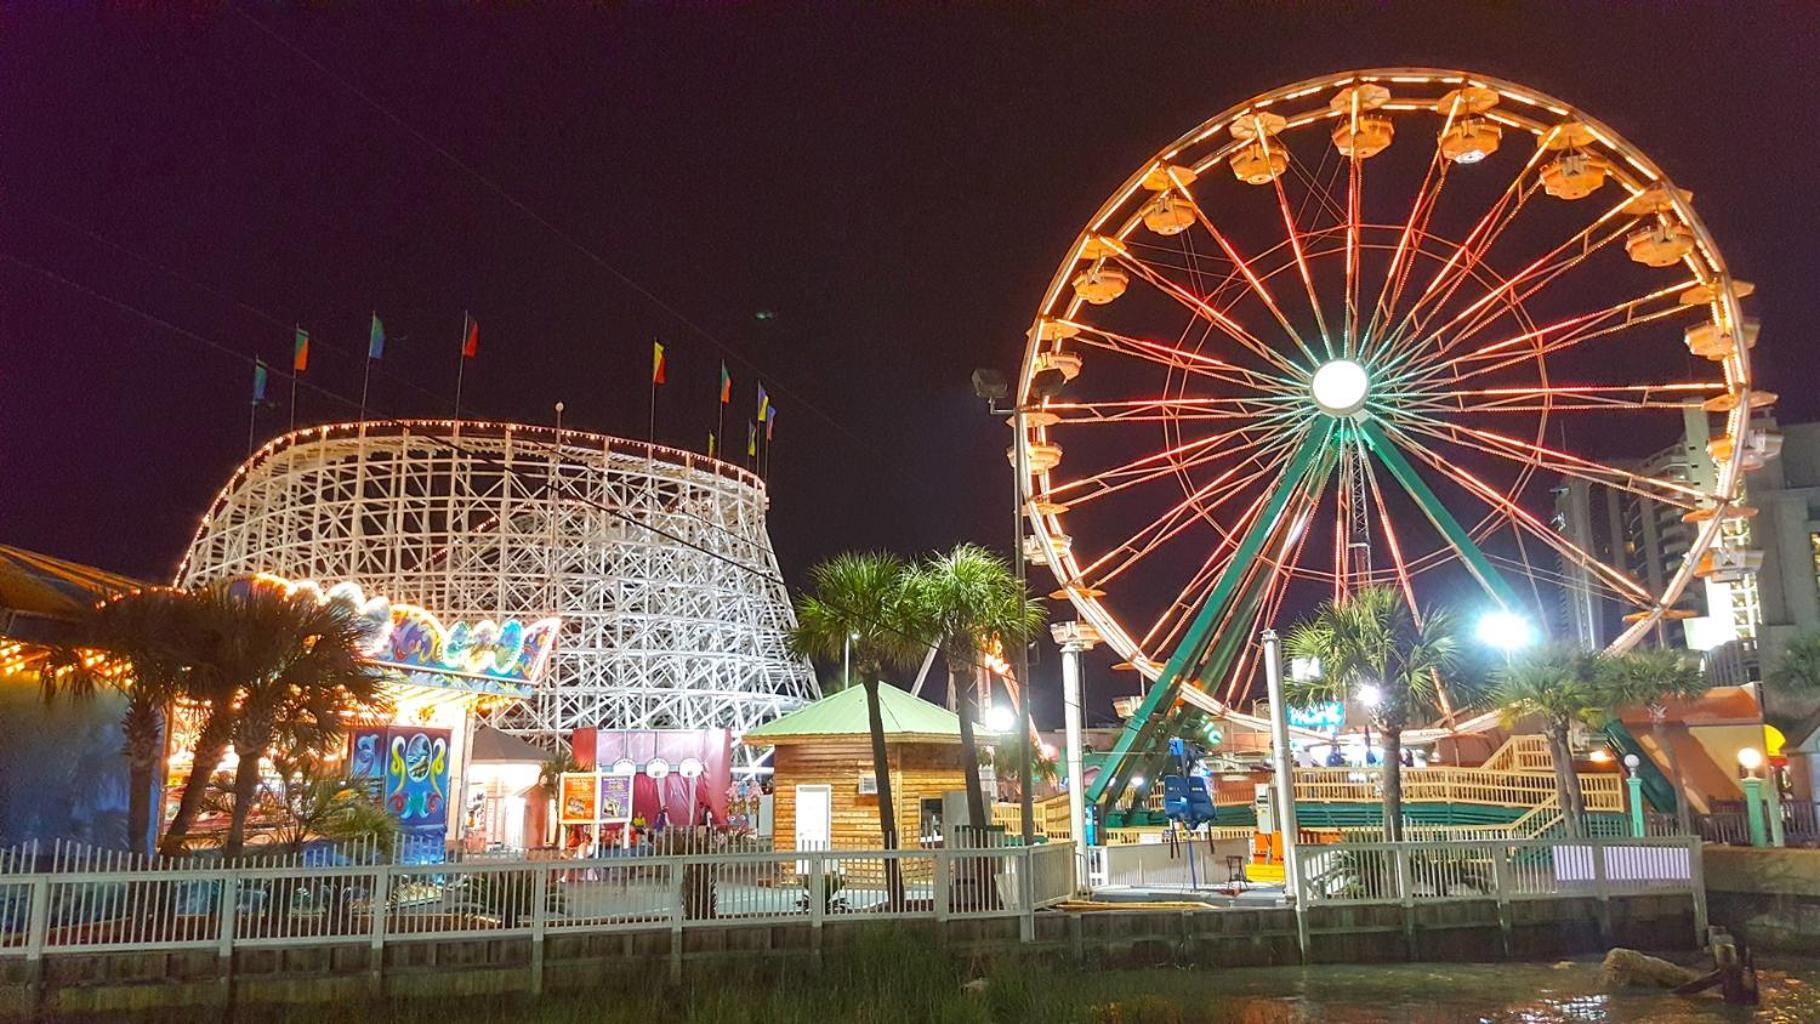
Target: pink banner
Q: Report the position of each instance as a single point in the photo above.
(600, 749)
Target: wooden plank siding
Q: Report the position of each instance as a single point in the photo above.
(918, 771)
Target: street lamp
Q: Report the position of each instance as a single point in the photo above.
(1750, 759)
(1507, 631)
(1633, 785)
(1370, 695)
(993, 386)
(999, 718)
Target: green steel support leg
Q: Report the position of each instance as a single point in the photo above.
(1443, 520)
(1187, 653)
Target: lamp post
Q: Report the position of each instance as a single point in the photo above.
(992, 385)
(1075, 637)
(1281, 762)
(1633, 785)
(1750, 759)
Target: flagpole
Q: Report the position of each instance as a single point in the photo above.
(651, 429)
(365, 377)
(461, 365)
(252, 420)
(295, 373)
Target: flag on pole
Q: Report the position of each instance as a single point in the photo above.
(751, 438)
(376, 339)
(770, 422)
(764, 403)
(470, 341)
(710, 444)
(258, 381)
(726, 384)
(300, 351)
(658, 366)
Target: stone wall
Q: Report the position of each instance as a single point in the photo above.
(1769, 898)
(109, 984)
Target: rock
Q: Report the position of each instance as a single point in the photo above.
(1624, 967)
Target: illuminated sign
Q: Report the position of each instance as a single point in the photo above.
(1319, 717)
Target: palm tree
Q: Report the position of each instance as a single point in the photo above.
(963, 601)
(1371, 638)
(311, 672)
(138, 635)
(857, 601)
(1649, 677)
(1561, 686)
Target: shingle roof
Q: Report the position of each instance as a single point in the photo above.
(844, 714)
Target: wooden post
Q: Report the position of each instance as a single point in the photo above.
(381, 909)
(818, 903)
(677, 874)
(540, 881)
(1406, 893)
(1500, 873)
(1696, 875)
(37, 932)
(225, 917)
(1026, 885)
(943, 873)
(1600, 888)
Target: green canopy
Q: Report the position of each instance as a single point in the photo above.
(844, 714)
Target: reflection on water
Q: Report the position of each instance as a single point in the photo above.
(1450, 994)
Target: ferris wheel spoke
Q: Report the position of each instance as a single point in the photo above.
(1402, 259)
(1175, 358)
(1207, 311)
(1476, 245)
(1192, 508)
(1513, 449)
(1523, 518)
(1301, 262)
(1571, 398)
(1187, 455)
(1243, 267)
(1590, 328)
(1150, 410)
(1175, 616)
(1576, 250)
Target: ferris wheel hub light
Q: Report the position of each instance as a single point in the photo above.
(1340, 387)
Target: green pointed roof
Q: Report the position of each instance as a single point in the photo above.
(907, 719)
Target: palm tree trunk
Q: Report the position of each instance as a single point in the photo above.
(1393, 785)
(1567, 785)
(143, 727)
(1684, 813)
(960, 679)
(246, 788)
(211, 746)
(881, 770)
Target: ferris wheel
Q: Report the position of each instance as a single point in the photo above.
(1364, 330)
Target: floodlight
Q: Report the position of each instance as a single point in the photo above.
(990, 384)
(1370, 695)
(1000, 718)
(1504, 630)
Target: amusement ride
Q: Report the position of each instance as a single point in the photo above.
(1357, 331)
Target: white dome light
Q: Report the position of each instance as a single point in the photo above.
(1339, 387)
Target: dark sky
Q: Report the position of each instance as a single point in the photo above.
(895, 182)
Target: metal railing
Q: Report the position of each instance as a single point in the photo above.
(1728, 823)
(160, 908)
(1414, 872)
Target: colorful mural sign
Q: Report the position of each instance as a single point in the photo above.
(1325, 717)
(417, 779)
(507, 658)
(616, 797)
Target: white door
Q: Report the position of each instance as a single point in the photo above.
(814, 819)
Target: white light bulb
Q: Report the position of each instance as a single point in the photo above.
(1504, 630)
(1339, 387)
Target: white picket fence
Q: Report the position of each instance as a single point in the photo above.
(1504, 870)
(166, 908)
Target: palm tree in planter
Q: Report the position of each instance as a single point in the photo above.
(963, 601)
(1650, 676)
(856, 606)
(312, 675)
(1562, 686)
(1372, 639)
(138, 635)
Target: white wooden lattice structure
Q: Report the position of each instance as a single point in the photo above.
(657, 560)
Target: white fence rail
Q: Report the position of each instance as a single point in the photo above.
(58, 912)
(1501, 869)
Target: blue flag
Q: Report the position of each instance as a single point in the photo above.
(258, 381)
(376, 339)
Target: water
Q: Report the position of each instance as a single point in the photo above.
(1443, 994)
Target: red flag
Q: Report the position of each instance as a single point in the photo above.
(471, 339)
(659, 366)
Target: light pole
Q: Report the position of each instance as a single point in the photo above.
(1282, 763)
(992, 385)
(1075, 637)
(1750, 759)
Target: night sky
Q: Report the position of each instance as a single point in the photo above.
(894, 184)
